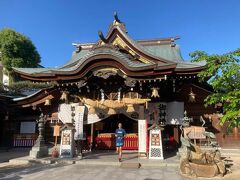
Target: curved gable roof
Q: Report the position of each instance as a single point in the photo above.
(157, 55)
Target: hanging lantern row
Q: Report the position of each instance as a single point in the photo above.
(130, 108)
(139, 80)
(152, 80)
(77, 83)
(185, 77)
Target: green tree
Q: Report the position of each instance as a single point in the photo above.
(17, 50)
(223, 74)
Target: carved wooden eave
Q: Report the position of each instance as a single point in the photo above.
(118, 37)
(192, 71)
(107, 61)
(36, 98)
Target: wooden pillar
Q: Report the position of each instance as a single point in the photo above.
(141, 111)
(176, 134)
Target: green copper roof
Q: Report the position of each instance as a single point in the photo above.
(162, 51)
(75, 58)
(104, 50)
(187, 64)
(75, 62)
(33, 70)
(165, 51)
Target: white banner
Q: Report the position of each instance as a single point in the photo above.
(79, 117)
(65, 113)
(142, 136)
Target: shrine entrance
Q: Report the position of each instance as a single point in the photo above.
(104, 132)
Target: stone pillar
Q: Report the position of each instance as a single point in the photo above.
(39, 149)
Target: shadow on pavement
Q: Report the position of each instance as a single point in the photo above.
(5, 156)
(15, 172)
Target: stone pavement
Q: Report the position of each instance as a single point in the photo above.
(76, 171)
(104, 158)
(101, 165)
(98, 172)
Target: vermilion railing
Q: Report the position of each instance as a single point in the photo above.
(24, 140)
(131, 143)
(108, 141)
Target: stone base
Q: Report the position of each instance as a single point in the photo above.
(204, 170)
(38, 152)
(142, 155)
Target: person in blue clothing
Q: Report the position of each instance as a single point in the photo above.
(120, 132)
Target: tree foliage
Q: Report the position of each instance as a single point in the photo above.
(223, 72)
(17, 50)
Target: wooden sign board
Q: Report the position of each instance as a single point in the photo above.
(142, 136)
(56, 130)
(194, 132)
(67, 144)
(155, 144)
(79, 117)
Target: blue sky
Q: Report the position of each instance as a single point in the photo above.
(52, 25)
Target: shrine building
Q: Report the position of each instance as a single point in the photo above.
(116, 79)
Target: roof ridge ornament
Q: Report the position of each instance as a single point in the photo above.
(78, 47)
(116, 17)
(118, 22)
(101, 36)
(173, 44)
